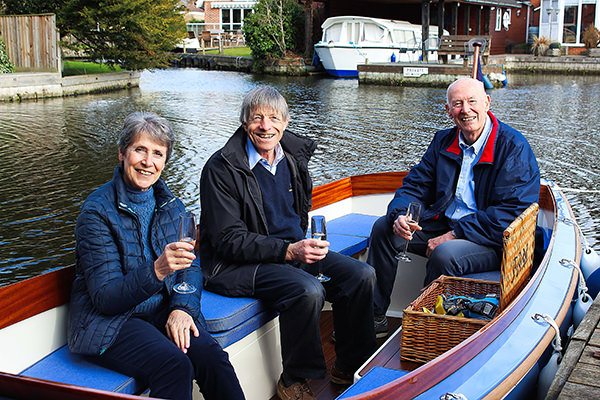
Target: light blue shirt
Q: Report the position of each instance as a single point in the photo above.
(255, 158)
(464, 198)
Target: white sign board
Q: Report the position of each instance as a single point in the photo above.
(414, 71)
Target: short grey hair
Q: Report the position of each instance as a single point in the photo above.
(155, 126)
(263, 97)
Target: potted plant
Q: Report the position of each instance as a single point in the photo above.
(553, 49)
(540, 45)
(591, 38)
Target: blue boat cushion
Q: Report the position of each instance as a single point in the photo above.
(376, 377)
(224, 313)
(239, 332)
(493, 276)
(349, 234)
(66, 367)
(352, 224)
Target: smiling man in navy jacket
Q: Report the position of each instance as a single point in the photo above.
(472, 182)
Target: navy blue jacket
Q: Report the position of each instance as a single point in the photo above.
(112, 274)
(234, 236)
(506, 177)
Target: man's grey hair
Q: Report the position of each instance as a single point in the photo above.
(155, 126)
(263, 97)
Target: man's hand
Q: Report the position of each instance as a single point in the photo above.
(307, 251)
(403, 229)
(177, 255)
(436, 241)
(178, 327)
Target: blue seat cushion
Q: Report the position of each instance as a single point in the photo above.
(376, 377)
(493, 276)
(352, 224)
(224, 313)
(66, 367)
(347, 245)
(239, 332)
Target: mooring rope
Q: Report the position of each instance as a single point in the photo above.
(579, 190)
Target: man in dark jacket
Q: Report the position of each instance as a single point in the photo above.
(255, 195)
(472, 182)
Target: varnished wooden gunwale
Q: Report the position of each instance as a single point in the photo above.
(359, 185)
(425, 377)
(25, 388)
(35, 295)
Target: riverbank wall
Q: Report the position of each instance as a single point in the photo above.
(417, 74)
(34, 85)
(291, 67)
(565, 64)
(441, 75)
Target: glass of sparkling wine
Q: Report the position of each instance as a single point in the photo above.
(187, 233)
(318, 230)
(412, 219)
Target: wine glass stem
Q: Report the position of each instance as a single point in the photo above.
(406, 247)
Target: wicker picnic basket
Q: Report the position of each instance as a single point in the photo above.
(425, 335)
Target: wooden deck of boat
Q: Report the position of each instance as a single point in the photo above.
(324, 389)
(577, 376)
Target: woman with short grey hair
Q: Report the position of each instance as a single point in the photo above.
(124, 313)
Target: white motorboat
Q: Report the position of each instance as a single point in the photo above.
(349, 41)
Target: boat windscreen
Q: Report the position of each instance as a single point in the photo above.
(403, 36)
(333, 33)
(375, 33)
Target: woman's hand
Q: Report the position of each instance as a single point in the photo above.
(178, 327)
(177, 255)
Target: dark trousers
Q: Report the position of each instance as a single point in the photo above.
(299, 298)
(452, 258)
(142, 350)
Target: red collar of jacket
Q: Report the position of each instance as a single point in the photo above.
(488, 151)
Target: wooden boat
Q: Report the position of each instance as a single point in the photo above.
(503, 358)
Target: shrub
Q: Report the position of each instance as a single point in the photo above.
(274, 29)
(6, 66)
(540, 45)
(591, 36)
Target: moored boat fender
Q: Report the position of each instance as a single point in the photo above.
(590, 266)
(498, 77)
(548, 373)
(581, 307)
(487, 82)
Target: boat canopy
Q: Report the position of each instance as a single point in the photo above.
(359, 30)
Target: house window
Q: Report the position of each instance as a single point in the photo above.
(570, 24)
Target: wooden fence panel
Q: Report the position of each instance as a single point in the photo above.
(31, 41)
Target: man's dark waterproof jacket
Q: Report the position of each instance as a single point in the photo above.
(112, 274)
(506, 177)
(234, 238)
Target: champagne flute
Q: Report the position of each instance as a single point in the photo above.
(412, 219)
(187, 233)
(318, 230)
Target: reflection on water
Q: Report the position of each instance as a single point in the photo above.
(56, 151)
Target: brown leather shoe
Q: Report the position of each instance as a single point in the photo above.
(341, 377)
(297, 391)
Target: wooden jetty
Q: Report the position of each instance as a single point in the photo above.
(577, 376)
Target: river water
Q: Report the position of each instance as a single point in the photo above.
(55, 152)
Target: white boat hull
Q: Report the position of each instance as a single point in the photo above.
(342, 61)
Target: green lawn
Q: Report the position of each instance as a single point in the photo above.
(85, 68)
(231, 51)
